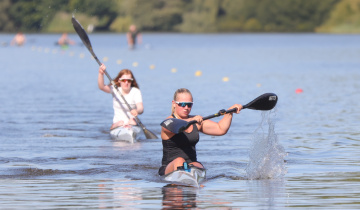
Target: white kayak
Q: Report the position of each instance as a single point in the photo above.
(191, 177)
(129, 133)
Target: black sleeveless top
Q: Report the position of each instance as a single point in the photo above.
(133, 35)
(180, 145)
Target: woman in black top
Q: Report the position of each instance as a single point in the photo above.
(180, 148)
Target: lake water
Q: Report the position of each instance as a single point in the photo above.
(56, 152)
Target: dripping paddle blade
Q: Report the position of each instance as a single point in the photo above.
(266, 101)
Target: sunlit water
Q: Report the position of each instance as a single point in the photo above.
(55, 150)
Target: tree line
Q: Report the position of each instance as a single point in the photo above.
(188, 16)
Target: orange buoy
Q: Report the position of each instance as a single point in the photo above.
(299, 90)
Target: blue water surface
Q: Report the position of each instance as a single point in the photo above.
(56, 152)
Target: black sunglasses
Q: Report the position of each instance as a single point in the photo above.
(183, 104)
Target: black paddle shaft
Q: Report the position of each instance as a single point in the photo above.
(221, 112)
(85, 39)
(265, 102)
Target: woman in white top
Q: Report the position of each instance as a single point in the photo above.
(129, 88)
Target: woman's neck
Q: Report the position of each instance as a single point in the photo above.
(178, 117)
(125, 92)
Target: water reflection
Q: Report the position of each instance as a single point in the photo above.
(123, 193)
(124, 145)
(267, 192)
(179, 197)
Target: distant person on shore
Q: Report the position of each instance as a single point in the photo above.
(19, 39)
(65, 41)
(133, 35)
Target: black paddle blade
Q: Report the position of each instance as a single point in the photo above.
(266, 101)
(84, 37)
(175, 125)
(81, 32)
(149, 134)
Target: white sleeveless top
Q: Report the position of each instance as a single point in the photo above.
(121, 110)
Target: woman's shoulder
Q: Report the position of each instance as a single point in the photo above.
(135, 90)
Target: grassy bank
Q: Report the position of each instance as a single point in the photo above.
(61, 23)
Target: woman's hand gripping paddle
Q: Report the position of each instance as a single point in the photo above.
(85, 39)
(265, 102)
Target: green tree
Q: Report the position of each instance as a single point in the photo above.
(201, 16)
(105, 10)
(31, 15)
(229, 17)
(344, 18)
(155, 15)
(5, 23)
(284, 15)
(181, 15)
